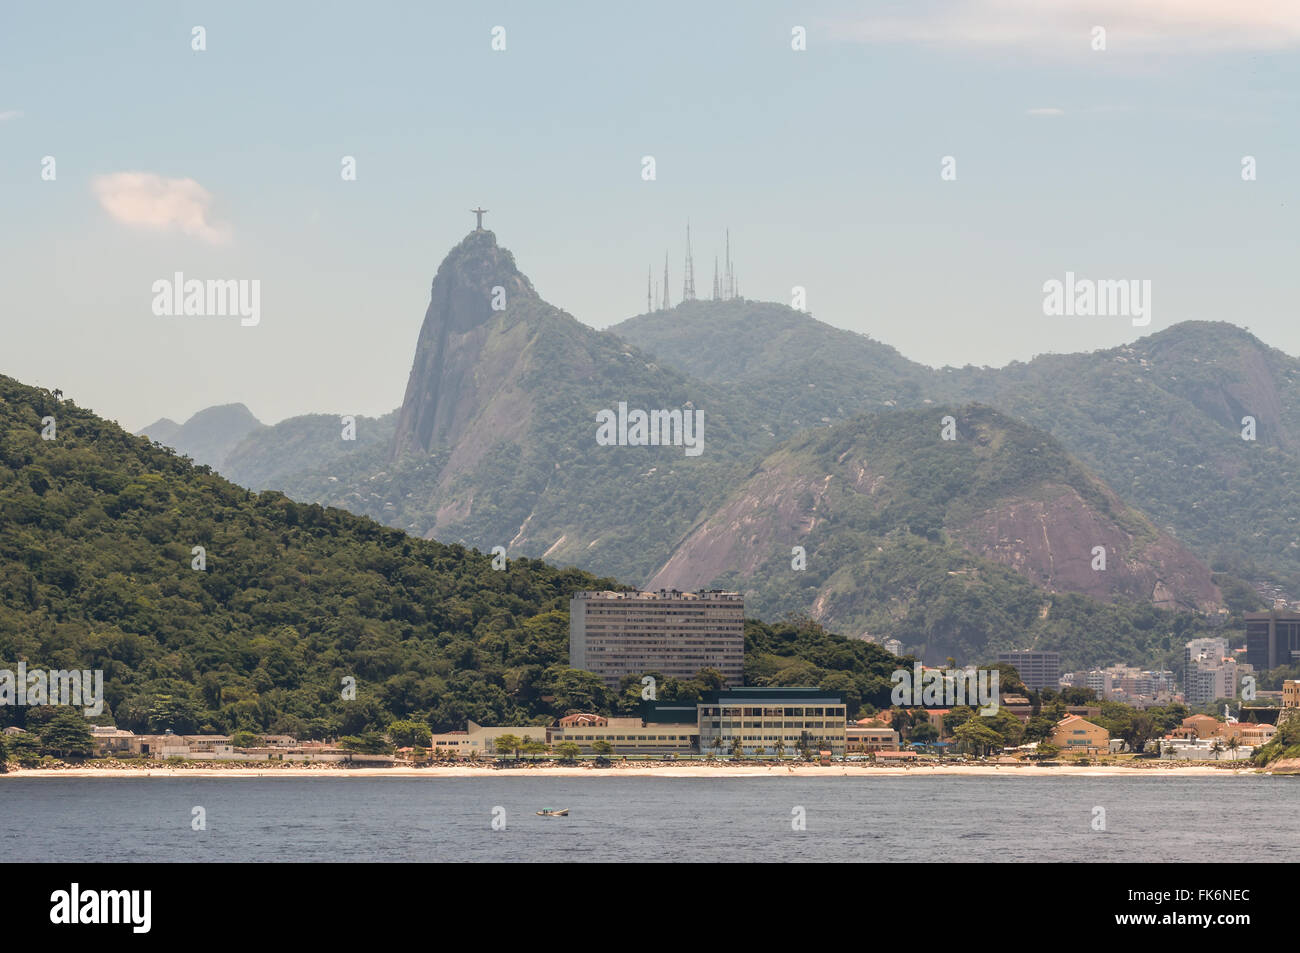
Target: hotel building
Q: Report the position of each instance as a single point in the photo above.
(675, 634)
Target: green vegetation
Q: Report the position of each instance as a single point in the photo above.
(1159, 420)
(95, 572)
(1285, 744)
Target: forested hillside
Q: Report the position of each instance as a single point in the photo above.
(97, 571)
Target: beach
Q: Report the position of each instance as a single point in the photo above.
(644, 769)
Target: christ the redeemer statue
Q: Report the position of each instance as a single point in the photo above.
(479, 212)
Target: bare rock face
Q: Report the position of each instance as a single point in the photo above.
(454, 374)
(1054, 539)
(1049, 528)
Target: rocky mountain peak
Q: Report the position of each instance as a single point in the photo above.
(477, 288)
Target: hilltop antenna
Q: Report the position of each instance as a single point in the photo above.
(688, 284)
(649, 283)
(666, 299)
(715, 277)
(730, 290)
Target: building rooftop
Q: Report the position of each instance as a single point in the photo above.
(660, 594)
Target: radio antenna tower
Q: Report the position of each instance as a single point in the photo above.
(688, 285)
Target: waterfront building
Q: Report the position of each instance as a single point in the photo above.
(479, 741)
(862, 739)
(675, 634)
(765, 718)
(631, 735)
(1073, 734)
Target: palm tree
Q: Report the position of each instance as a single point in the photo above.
(780, 750)
(1217, 748)
(1233, 744)
(736, 748)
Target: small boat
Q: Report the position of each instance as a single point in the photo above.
(550, 813)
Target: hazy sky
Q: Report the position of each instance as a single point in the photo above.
(825, 163)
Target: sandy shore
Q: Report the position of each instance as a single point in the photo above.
(621, 770)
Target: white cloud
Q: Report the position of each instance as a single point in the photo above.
(147, 200)
(1045, 111)
(1056, 27)
(11, 114)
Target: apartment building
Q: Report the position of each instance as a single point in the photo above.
(675, 634)
(1208, 648)
(1208, 680)
(1038, 670)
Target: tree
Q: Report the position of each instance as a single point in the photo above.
(1009, 681)
(737, 749)
(976, 737)
(409, 734)
(1008, 727)
(901, 721)
(245, 739)
(1217, 748)
(507, 744)
(67, 735)
(568, 750)
(1046, 750)
(1233, 744)
(780, 750)
(602, 747)
(925, 733)
(369, 742)
(956, 717)
(1140, 730)
(535, 747)
(1038, 728)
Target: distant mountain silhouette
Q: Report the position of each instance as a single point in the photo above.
(495, 445)
(209, 435)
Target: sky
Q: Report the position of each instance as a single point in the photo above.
(1118, 161)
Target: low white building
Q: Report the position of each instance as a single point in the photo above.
(1202, 749)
